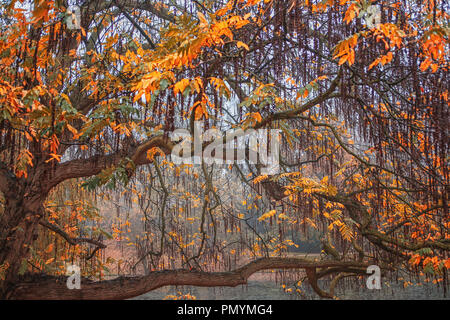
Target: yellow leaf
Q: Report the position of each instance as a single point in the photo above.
(180, 86)
(267, 215)
(73, 130)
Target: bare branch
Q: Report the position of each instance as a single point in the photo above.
(288, 114)
(68, 238)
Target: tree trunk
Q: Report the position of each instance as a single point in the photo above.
(18, 230)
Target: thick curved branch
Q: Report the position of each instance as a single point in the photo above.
(80, 168)
(160, 12)
(135, 24)
(312, 278)
(288, 114)
(128, 287)
(358, 212)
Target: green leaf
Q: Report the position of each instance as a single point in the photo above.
(163, 84)
(23, 267)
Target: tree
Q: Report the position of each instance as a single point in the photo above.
(361, 100)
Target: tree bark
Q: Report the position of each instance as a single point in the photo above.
(17, 232)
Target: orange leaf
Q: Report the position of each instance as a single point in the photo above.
(180, 86)
(54, 156)
(49, 248)
(425, 64)
(447, 263)
(241, 44)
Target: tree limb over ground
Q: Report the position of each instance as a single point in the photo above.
(129, 287)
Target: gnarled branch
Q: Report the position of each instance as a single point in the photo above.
(80, 168)
(128, 287)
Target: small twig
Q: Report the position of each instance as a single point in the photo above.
(69, 239)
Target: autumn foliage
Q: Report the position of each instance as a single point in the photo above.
(358, 90)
